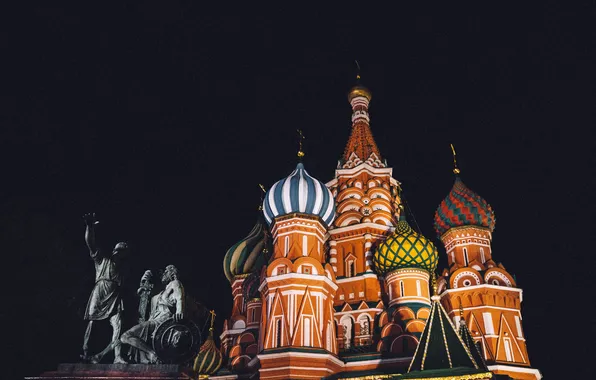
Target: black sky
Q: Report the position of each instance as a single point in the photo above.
(163, 118)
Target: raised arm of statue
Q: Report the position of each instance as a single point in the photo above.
(90, 222)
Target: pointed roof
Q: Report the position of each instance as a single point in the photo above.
(440, 346)
(361, 146)
(466, 337)
(361, 143)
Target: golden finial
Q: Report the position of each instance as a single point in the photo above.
(461, 310)
(455, 168)
(212, 312)
(300, 152)
(358, 67)
(434, 283)
(264, 192)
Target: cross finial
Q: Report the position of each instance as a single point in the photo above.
(300, 152)
(262, 196)
(212, 312)
(434, 284)
(455, 168)
(358, 68)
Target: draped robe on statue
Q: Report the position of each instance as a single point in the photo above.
(105, 299)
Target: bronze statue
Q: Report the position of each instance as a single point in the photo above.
(166, 307)
(105, 301)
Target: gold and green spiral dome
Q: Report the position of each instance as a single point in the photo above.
(209, 358)
(405, 248)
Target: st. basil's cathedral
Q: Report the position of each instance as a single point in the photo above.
(334, 283)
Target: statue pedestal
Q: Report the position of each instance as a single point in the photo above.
(83, 371)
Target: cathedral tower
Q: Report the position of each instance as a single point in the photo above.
(297, 332)
(486, 294)
(407, 260)
(242, 265)
(367, 196)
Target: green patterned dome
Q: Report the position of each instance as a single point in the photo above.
(209, 358)
(405, 248)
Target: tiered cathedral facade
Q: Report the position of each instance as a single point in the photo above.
(332, 282)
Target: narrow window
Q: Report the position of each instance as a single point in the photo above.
(307, 332)
(418, 289)
(452, 257)
(466, 257)
(489, 328)
(304, 246)
(328, 337)
(287, 245)
(482, 258)
(278, 333)
(401, 288)
(350, 270)
(518, 326)
(508, 349)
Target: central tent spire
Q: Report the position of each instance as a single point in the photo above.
(361, 146)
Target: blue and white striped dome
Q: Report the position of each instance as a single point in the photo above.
(299, 192)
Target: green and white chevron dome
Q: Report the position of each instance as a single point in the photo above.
(247, 255)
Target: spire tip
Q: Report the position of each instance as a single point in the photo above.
(456, 170)
(300, 152)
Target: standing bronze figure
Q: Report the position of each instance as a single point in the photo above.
(105, 301)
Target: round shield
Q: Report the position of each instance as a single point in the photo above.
(176, 342)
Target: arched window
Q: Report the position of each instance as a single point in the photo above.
(401, 289)
(365, 326)
(418, 288)
(482, 258)
(351, 268)
(466, 257)
(278, 333)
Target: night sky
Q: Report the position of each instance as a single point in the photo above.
(164, 117)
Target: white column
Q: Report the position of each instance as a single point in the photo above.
(368, 255)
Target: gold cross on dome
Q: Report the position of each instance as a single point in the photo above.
(455, 168)
(212, 312)
(300, 152)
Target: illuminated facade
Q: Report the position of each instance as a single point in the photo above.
(333, 282)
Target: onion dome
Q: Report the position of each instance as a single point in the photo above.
(250, 286)
(359, 90)
(299, 193)
(209, 358)
(249, 254)
(463, 207)
(405, 248)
